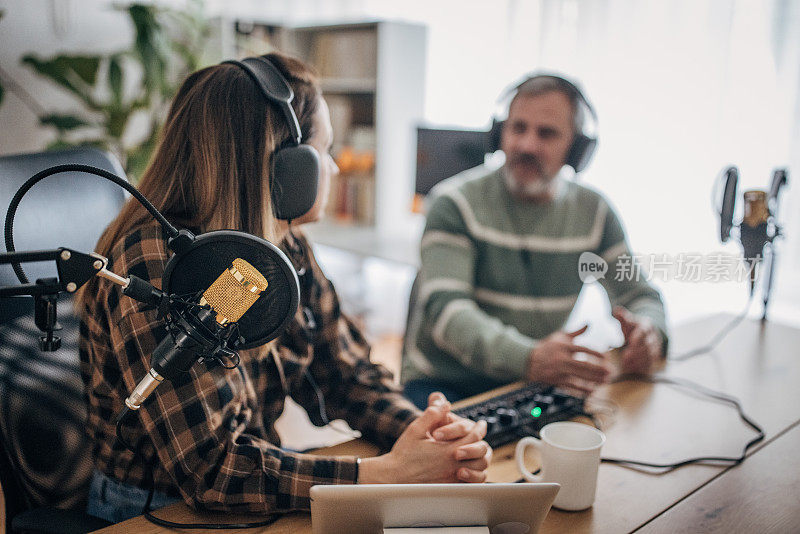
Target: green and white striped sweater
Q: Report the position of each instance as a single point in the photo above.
(498, 274)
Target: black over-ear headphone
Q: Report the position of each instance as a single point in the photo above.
(294, 168)
(583, 146)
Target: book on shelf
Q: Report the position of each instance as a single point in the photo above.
(341, 110)
(352, 192)
(345, 54)
(352, 199)
(253, 39)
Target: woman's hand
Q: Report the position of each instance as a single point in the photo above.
(439, 446)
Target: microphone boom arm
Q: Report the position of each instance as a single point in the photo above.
(197, 335)
(74, 268)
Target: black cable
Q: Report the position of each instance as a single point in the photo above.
(724, 331)
(718, 337)
(120, 419)
(711, 345)
(714, 460)
(212, 526)
(73, 167)
(322, 410)
(320, 397)
(150, 478)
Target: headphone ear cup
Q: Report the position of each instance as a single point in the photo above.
(494, 136)
(581, 152)
(295, 179)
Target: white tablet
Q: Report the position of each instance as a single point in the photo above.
(371, 508)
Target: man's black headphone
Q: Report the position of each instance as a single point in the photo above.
(583, 146)
(294, 167)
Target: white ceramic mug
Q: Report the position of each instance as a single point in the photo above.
(570, 455)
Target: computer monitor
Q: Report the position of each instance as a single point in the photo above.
(442, 153)
(377, 508)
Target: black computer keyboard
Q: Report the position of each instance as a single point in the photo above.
(522, 412)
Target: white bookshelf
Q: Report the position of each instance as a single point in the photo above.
(373, 77)
(378, 68)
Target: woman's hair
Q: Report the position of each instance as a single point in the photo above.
(210, 170)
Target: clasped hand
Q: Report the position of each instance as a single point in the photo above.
(437, 447)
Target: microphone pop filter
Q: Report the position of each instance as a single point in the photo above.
(779, 179)
(728, 203)
(193, 271)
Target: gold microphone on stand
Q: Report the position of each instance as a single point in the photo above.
(230, 296)
(234, 291)
(753, 230)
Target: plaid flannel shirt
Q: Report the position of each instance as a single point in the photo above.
(209, 434)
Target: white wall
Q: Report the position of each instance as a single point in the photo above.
(682, 88)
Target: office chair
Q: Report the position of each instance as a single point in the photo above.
(408, 335)
(45, 454)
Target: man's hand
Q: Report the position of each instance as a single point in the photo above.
(553, 361)
(417, 457)
(643, 343)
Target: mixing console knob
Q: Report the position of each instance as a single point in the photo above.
(506, 416)
(491, 423)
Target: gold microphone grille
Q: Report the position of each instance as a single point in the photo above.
(234, 291)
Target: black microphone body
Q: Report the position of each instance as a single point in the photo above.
(753, 239)
(754, 230)
(142, 291)
(191, 339)
(193, 334)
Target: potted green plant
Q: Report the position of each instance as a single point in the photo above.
(123, 95)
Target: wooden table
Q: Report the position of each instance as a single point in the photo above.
(760, 495)
(759, 364)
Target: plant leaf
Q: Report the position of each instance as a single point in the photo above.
(63, 122)
(117, 119)
(146, 45)
(115, 79)
(140, 103)
(84, 66)
(49, 70)
(68, 71)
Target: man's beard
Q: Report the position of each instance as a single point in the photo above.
(541, 187)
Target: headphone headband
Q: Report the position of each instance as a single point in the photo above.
(583, 146)
(274, 87)
(565, 84)
(294, 169)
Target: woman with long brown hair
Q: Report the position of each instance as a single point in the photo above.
(209, 436)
